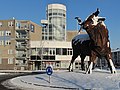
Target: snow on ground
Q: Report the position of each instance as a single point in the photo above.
(77, 80)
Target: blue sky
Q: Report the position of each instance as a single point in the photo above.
(34, 10)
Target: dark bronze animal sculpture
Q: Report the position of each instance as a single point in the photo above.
(98, 44)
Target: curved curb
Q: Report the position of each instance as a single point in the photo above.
(51, 86)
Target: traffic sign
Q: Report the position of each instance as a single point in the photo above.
(49, 70)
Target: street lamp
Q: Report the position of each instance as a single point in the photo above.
(78, 21)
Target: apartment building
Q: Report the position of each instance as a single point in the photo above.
(15, 37)
(116, 57)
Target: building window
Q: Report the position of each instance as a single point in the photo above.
(60, 14)
(69, 51)
(5, 33)
(64, 15)
(0, 24)
(33, 51)
(54, 13)
(50, 14)
(1, 33)
(45, 57)
(51, 51)
(10, 51)
(32, 28)
(57, 64)
(1, 42)
(8, 33)
(45, 38)
(7, 42)
(50, 38)
(0, 61)
(18, 25)
(10, 23)
(58, 51)
(10, 60)
(45, 51)
(64, 51)
(42, 37)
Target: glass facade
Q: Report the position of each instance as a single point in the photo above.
(49, 53)
(56, 27)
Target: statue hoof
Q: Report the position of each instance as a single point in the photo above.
(113, 72)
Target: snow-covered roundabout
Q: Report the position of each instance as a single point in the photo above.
(64, 80)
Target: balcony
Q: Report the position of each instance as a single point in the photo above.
(21, 47)
(22, 27)
(22, 37)
(21, 64)
(21, 56)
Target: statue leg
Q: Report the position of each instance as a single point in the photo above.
(71, 63)
(110, 64)
(89, 71)
(92, 59)
(82, 62)
(95, 63)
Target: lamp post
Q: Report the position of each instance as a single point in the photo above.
(78, 21)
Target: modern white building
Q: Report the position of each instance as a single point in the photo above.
(58, 54)
(55, 24)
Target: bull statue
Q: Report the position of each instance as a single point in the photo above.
(95, 44)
